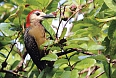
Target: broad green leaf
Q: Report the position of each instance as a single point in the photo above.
(85, 63)
(48, 43)
(5, 28)
(94, 30)
(99, 57)
(5, 40)
(74, 59)
(83, 46)
(52, 6)
(44, 3)
(54, 48)
(80, 32)
(66, 74)
(58, 74)
(71, 46)
(47, 25)
(111, 4)
(60, 62)
(83, 57)
(74, 74)
(50, 57)
(96, 47)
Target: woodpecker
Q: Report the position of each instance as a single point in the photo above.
(34, 36)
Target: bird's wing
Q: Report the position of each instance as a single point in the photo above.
(33, 50)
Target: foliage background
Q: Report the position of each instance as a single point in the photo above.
(89, 52)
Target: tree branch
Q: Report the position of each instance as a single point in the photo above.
(4, 64)
(20, 65)
(11, 72)
(99, 74)
(71, 50)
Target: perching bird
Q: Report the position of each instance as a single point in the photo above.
(34, 36)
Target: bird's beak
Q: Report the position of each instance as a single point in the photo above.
(49, 16)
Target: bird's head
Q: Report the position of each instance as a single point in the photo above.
(38, 16)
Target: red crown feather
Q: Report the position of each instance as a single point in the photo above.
(28, 18)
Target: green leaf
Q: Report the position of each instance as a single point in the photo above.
(50, 57)
(84, 46)
(48, 27)
(114, 74)
(107, 69)
(83, 2)
(5, 28)
(106, 19)
(52, 6)
(71, 46)
(5, 40)
(111, 29)
(106, 43)
(74, 59)
(48, 43)
(18, 2)
(14, 64)
(99, 57)
(20, 10)
(56, 48)
(41, 75)
(50, 72)
(34, 3)
(96, 47)
(44, 3)
(60, 62)
(85, 63)
(58, 74)
(111, 4)
(66, 74)
(74, 74)
(80, 39)
(2, 55)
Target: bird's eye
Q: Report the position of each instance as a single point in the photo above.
(37, 13)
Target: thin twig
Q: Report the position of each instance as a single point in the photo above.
(100, 74)
(60, 20)
(90, 72)
(72, 50)
(10, 51)
(11, 72)
(19, 66)
(77, 12)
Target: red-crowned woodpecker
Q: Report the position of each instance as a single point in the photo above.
(34, 36)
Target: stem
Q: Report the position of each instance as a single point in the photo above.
(60, 20)
(10, 51)
(109, 69)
